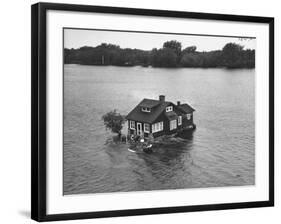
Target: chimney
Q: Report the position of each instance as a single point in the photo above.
(162, 98)
(178, 103)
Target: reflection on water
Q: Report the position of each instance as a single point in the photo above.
(219, 153)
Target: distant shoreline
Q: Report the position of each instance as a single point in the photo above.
(157, 67)
(171, 55)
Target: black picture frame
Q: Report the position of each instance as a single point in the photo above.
(39, 108)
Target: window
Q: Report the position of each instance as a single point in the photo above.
(173, 124)
(145, 109)
(180, 120)
(132, 125)
(157, 127)
(146, 128)
(161, 126)
(170, 108)
(188, 116)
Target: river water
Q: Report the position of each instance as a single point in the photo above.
(220, 153)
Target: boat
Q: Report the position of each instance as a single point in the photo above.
(147, 148)
(141, 146)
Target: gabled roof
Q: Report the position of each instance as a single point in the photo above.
(157, 107)
(186, 108)
(137, 115)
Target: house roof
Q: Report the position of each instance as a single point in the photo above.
(186, 108)
(149, 103)
(137, 115)
(171, 115)
(157, 107)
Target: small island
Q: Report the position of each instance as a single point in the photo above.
(152, 122)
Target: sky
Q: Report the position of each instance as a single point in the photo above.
(76, 38)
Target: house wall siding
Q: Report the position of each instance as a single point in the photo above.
(134, 132)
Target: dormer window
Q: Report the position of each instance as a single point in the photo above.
(145, 109)
(170, 108)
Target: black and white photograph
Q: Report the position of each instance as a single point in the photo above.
(139, 111)
(151, 111)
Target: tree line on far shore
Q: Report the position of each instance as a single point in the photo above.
(170, 55)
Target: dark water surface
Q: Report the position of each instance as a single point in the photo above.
(220, 153)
